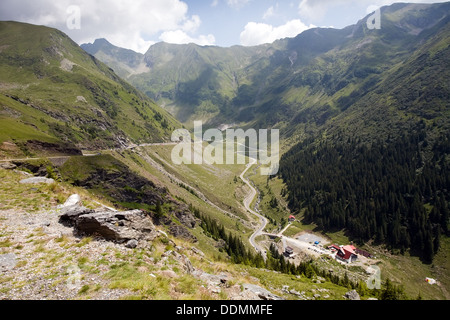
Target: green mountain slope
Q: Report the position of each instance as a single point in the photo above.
(296, 84)
(371, 91)
(53, 91)
(357, 85)
(194, 82)
(377, 166)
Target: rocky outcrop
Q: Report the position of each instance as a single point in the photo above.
(7, 166)
(262, 293)
(117, 226)
(183, 215)
(133, 228)
(61, 148)
(352, 295)
(125, 186)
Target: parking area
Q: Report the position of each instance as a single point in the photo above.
(311, 238)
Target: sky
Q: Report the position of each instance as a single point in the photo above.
(137, 24)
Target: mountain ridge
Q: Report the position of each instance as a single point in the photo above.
(54, 91)
(204, 83)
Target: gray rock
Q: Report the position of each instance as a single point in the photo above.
(123, 227)
(295, 292)
(167, 253)
(197, 251)
(187, 264)
(7, 165)
(37, 180)
(117, 226)
(70, 214)
(180, 231)
(211, 279)
(132, 244)
(72, 201)
(261, 292)
(352, 295)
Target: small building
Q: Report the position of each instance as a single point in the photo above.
(291, 218)
(288, 251)
(363, 253)
(347, 254)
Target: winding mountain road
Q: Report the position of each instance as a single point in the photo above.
(247, 202)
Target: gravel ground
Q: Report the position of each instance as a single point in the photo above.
(40, 259)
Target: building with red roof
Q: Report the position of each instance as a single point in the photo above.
(347, 254)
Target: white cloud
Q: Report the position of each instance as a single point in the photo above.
(269, 13)
(259, 33)
(215, 3)
(317, 9)
(124, 24)
(181, 37)
(191, 25)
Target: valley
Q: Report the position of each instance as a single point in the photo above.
(363, 179)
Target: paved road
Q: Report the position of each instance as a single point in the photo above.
(247, 202)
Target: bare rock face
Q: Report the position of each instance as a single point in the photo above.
(129, 227)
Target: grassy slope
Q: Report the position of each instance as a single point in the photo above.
(48, 72)
(106, 267)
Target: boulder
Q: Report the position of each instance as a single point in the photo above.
(117, 226)
(72, 201)
(352, 295)
(37, 180)
(128, 227)
(186, 218)
(70, 214)
(7, 166)
(132, 244)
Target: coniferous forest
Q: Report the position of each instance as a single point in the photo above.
(393, 191)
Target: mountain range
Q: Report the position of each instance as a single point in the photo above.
(363, 114)
(322, 77)
(382, 92)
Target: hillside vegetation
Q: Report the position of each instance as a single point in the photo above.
(364, 121)
(52, 91)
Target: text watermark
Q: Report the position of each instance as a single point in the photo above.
(73, 21)
(233, 148)
(374, 20)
